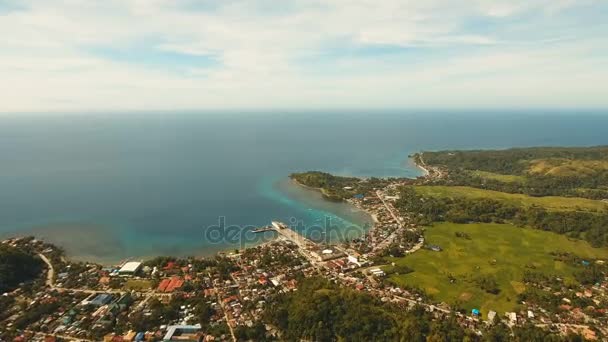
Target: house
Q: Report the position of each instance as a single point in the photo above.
(434, 248)
(101, 299)
(491, 316)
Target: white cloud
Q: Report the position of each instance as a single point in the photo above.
(325, 54)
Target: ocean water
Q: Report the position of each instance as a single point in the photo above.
(131, 185)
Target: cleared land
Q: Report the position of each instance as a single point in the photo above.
(499, 177)
(501, 251)
(561, 167)
(555, 203)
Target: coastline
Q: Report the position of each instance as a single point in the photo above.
(419, 163)
(416, 159)
(322, 191)
(209, 251)
(197, 253)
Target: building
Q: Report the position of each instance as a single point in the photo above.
(512, 316)
(101, 299)
(491, 316)
(377, 272)
(354, 260)
(278, 225)
(129, 268)
(184, 333)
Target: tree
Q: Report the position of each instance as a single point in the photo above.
(16, 267)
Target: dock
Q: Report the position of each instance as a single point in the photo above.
(306, 246)
(263, 229)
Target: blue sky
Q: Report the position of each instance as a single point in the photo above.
(292, 54)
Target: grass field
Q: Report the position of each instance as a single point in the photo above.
(566, 167)
(499, 177)
(137, 284)
(555, 203)
(499, 250)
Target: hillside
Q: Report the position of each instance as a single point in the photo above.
(538, 171)
(17, 267)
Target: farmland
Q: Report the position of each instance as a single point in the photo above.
(501, 251)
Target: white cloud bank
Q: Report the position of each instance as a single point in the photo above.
(187, 54)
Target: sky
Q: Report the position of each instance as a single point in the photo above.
(83, 55)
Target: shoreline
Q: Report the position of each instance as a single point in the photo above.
(322, 191)
(421, 165)
(197, 253)
(373, 216)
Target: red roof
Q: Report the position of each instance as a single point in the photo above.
(176, 282)
(169, 285)
(163, 285)
(230, 299)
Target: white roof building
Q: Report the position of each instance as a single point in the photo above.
(130, 267)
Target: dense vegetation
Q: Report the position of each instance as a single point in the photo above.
(332, 187)
(16, 267)
(589, 226)
(541, 171)
(512, 161)
(322, 311)
(338, 188)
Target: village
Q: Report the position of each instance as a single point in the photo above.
(224, 298)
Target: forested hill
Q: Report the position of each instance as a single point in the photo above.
(322, 311)
(16, 267)
(511, 161)
(536, 171)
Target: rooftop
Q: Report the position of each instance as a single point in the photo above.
(131, 266)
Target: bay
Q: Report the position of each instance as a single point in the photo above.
(110, 186)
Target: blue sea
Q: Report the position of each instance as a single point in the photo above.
(111, 186)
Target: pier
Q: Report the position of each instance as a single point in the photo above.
(263, 229)
(306, 247)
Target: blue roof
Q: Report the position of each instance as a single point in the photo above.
(475, 312)
(101, 299)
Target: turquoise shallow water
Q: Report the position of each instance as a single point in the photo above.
(113, 186)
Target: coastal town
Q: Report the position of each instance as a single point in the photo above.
(224, 298)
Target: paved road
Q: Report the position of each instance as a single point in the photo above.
(50, 275)
(390, 210)
(222, 305)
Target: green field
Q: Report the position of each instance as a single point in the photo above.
(499, 177)
(499, 250)
(555, 203)
(138, 284)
